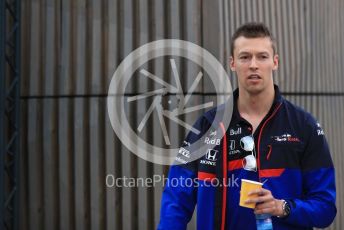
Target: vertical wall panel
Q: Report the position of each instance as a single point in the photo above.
(81, 179)
(66, 82)
(35, 62)
(145, 169)
(65, 163)
(128, 194)
(80, 46)
(70, 50)
(113, 194)
(97, 154)
(50, 165)
(35, 165)
(24, 184)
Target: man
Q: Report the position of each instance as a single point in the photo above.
(268, 140)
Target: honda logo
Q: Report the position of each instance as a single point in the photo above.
(211, 155)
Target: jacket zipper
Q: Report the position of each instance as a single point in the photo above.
(269, 153)
(260, 135)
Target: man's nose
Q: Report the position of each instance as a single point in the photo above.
(253, 63)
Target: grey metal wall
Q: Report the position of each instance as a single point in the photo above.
(70, 49)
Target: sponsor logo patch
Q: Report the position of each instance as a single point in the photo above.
(233, 152)
(285, 138)
(212, 133)
(185, 143)
(214, 141)
(233, 132)
(211, 157)
(181, 160)
(232, 145)
(320, 131)
(184, 152)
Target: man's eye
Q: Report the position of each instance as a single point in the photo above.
(243, 57)
(264, 57)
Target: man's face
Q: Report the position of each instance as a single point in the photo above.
(253, 61)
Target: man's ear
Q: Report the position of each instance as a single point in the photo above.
(276, 60)
(231, 63)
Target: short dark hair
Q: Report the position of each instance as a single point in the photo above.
(253, 30)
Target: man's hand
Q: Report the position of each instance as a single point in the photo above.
(265, 202)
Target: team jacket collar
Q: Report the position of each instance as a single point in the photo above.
(236, 116)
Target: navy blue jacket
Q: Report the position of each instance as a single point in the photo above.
(292, 154)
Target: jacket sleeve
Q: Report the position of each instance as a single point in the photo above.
(317, 206)
(180, 193)
(178, 200)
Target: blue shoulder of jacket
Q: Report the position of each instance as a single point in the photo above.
(300, 113)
